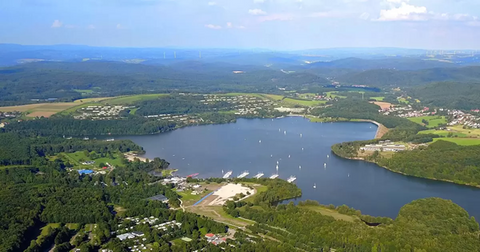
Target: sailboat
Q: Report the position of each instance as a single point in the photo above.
(300, 167)
(259, 141)
(301, 135)
(302, 148)
(328, 156)
(285, 132)
(324, 165)
(314, 185)
(349, 175)
(288, 156)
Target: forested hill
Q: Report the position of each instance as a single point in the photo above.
(398, 78)
(452, 95)
(387, 63)
(60, 80)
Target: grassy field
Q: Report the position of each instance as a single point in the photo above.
(73, 226)
(468, 132)
(403, 100)
(433, 121)
(443, 133)
(273, 97)
(127, 100)
(259, 188)
(336, 215)
(461, 141)
(243, 94)
(289, 101)
(378, 98)
(217, 214)
(333, 94)
(75, 158)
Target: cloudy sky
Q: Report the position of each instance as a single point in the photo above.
(275, 24)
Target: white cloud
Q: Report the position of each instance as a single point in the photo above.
(57, 24)
(212, 3)
(91, 27)
(212, 26)
(229, 25)
(258, 1)
(364, 16)
(256, 12)
(241, 27)
(403, 12)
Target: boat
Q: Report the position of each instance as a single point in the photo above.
(300, 167)
(314, 185)
(274, 176)
(259, 141)
(227, 175)
(259, 175)
(301, 135)
(328, 156)
(285, 132)
(349, 175)
(291, 179)
(276, 167)
(243, 175)
(192, 175)
(325, 165)
(302, 148)
(277, 162)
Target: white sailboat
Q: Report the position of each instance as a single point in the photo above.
(301, 135)
(300, 167)
(288, 156)
(285, 132)
(325, 165)
(328, 156)
(227, 175)
(314, 185)
(302, 148)
(259, 141)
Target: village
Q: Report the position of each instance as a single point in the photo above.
(99, 112)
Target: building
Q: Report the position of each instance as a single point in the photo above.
(384, 146)
(159, 197)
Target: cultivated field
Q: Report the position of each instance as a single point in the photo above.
(383, 105)
(460, 141)
(433, 121)
(40, 109)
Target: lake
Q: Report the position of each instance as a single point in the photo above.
(301, 149)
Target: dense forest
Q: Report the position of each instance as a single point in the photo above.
(45, 80)
(431, 224)
(67, 126)
(452, 95)
(440, 160)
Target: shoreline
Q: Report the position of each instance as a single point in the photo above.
(404, 174)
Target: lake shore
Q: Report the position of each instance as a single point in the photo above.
(405, 174)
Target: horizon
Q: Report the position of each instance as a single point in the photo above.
(244, 48)
(285, 25)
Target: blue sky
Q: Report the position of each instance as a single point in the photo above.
(275, 24)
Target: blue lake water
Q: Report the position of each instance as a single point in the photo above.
(256, 145)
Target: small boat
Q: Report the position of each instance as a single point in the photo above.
(291, 179)
(328, 156)
(349, 175)
(243, 175)
(279, 130)
(192, 175)
(285, 132)
(314, 185)
(288, 156)
(301, 135)
(324, 165)
(227, 175)
(259, 141)
(271, 155)
(274, 176)
(277, 162)
(302, 148)
(259, 175)
(300, 167)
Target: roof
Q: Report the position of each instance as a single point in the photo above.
(85, 171)
(209, 235)
(159, 197)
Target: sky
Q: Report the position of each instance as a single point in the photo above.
(271, 24)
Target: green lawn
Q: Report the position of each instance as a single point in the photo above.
(433, 121)
(75, 158)
(336, 215)
(72, 110)
(243, 94)
(274, 97)
(403, 100)
(84, 91)
(73, 226)
(443, 133)
(461, 141)
(334, 95)
(378, 98)
(303, 102)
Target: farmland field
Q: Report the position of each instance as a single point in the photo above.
(433, 121)
(461, 141)
(443, 133)
(126, 100)
(303, 102)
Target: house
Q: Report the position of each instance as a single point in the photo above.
(210, 236)
(159, 197)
